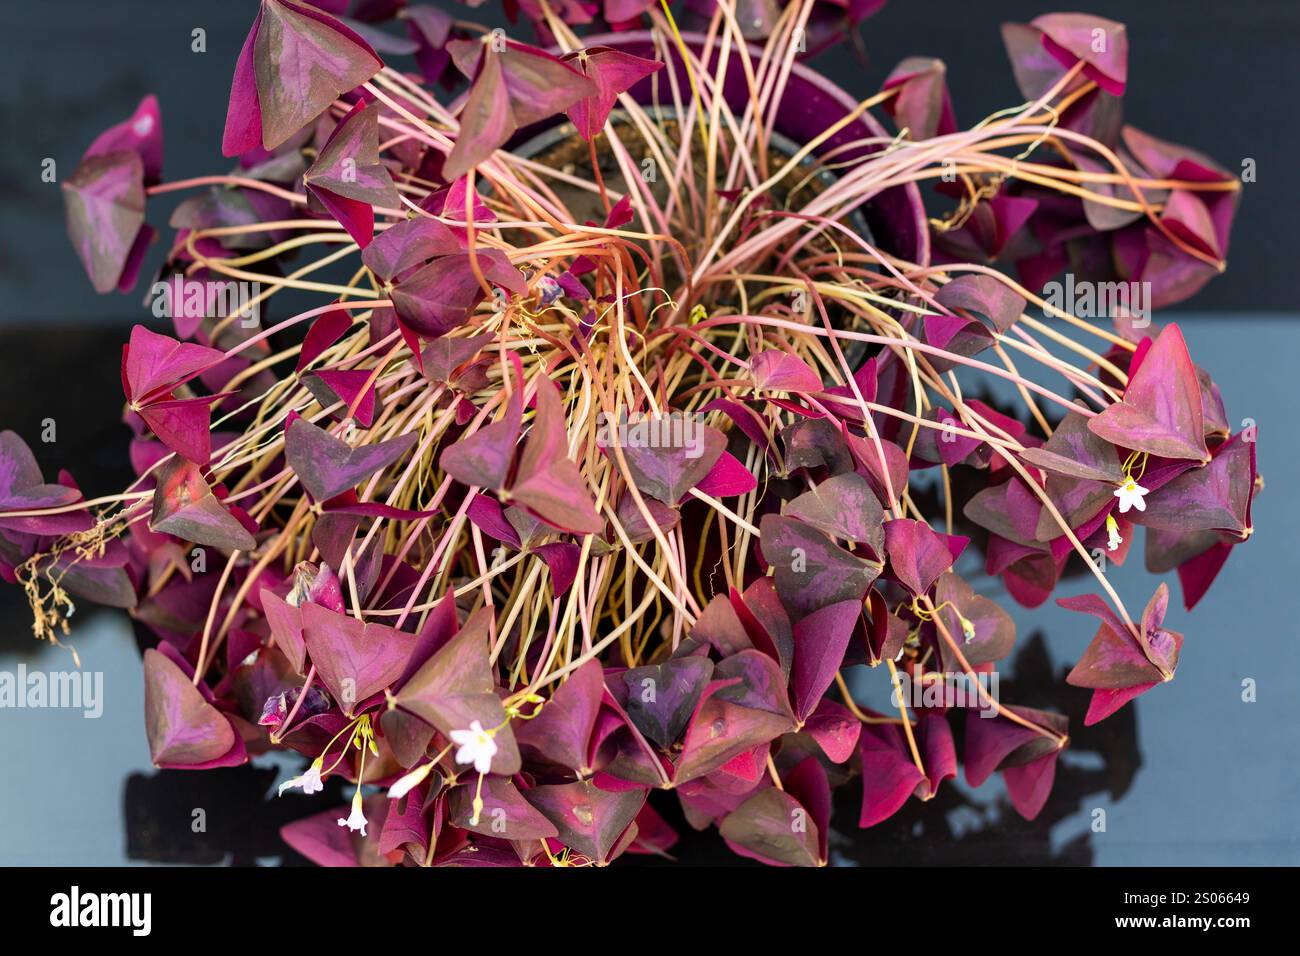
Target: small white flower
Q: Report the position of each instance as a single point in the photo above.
(409, 782)
(356, 819)
(476, 747)
(309, 781)
(1130, 495)
(1112, 529)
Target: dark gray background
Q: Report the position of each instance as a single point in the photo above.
(1220, 77)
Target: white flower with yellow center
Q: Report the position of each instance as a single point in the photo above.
(1130, 495)
(476, 746)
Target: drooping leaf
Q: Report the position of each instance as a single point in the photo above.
(514, 85)
(455, 687)
(820, 640)
(548, 483)
(184, 506)
(561, 730)
(354, 659)
(185, 731)
(104, 205)
(811, 570)
(983, 295)
(443, 295)
(589, 820)
(669, 470)
(484, 458)
(295, 62)
(774, 828)
(917, 553)
(348, 177)
(889, 774)
(842, 506)
(922, 104)
(328, 466)
(23, 488)
(613, 72)
(1161, 412)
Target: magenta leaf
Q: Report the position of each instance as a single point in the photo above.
(548, 483)
(183, 425)
(820, 640)
(294, 64)
(407, 244)
(483, 458)
(727, 478)
(455, 687)
(562, 729)
(1076, 452)
(324, 332)
(1116, 666)
(445, 354)
(1215, 497)
(634, 523)
(320, 838)
(141, 134)
(185, 731)
(104, 205)
(348, 178)
(328, 466)
(994, 743)
(669, 470)
(285, 622)
(765, 621)
(922, 104)
(938, 752)
(589, 820)
(352, 388)
(23, 488)
(917, 554)
(778, 371)
(743, 708)
(1161, 411)
(154, 364)
(613, 72)
(834, 728)
(889, 775)
(774, 828)
(184, 506)
(812, 571)
(884, 632)
(842, 506)
(1073, 37)
(506, 814)
(514, 86)
(988, 632)
(354, 659)
(407, 735)
(1030, 784)
(983, 295)
(443, 295)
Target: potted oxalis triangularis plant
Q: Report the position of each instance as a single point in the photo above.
(619, 403)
